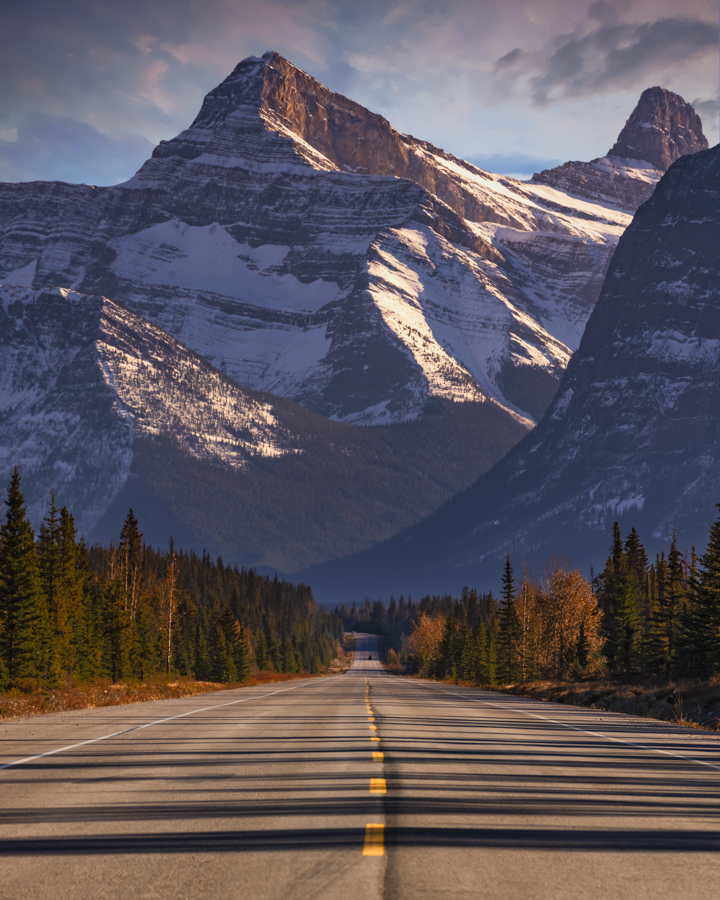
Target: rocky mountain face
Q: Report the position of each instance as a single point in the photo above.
(661, 129)
(632, 434)
(304, 247)
(202, 339)
(109, 411)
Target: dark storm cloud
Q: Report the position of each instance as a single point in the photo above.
(609, 57)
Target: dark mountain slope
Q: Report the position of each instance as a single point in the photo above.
(633, 433)
(111, 412)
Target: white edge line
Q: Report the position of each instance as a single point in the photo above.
(105, 737)
(597, 734)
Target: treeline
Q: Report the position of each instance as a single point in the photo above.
(399, 618)
(637, 619)
(547, 627)
(661, 618)
(130, 611)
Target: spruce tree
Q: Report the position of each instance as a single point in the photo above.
(582, 648)
(509, 627)
(116, 631)
(131, 557)
(703, 628)
(50, 571)
(480, 674)
(445, 659)
(242, 653)
(24, 625)
(287, 655)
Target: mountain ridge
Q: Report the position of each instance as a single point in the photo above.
(631, 435)
(377, 270)
(108, 411)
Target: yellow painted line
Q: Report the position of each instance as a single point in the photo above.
(378, 756)
(372, 727)
(374, 840)
(371, 718)
(375, 739)
(377, 786)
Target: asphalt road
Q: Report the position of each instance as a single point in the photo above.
(356, 786)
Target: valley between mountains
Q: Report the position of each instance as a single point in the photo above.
(296, 333)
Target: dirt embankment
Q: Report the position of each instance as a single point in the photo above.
(16, 703)
(694, 703)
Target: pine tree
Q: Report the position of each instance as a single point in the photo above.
(262, 656)
(116, 629)
(702, 631)
(50, 565)
(610, 592)
(582, 648)
(83, 645)
(287, 655)
(24, 624)
(131, 553)
(445, 659)
(241, 653)
(480, 673)
(509, 627)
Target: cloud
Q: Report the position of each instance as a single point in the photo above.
(609, 57)
(63, 149)
(469, 75)
(708, 110)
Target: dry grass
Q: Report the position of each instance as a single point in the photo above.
(695, 704)
(76, 695)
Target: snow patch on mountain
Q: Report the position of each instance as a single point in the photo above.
(82, 379)
(208, 258)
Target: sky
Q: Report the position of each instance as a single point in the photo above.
(89, 87)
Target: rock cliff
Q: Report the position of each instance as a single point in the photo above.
(661, 129)
(632, 434)
(305, 247)
(109, 411)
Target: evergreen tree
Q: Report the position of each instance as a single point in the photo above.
(288, 660)
(131, 560)
(24, 625)
(582, 648)
(445, 660)
(242, 653)
(49, 554)
(116, 629)
(509, 627)
(702, 630)
(262, 655)
(481, 671)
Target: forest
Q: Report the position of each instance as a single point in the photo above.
(655, 621)
(129, 610)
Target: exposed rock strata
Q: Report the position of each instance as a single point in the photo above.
(632, 434)
(661, 129)
(305, 247)
(109, 411)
